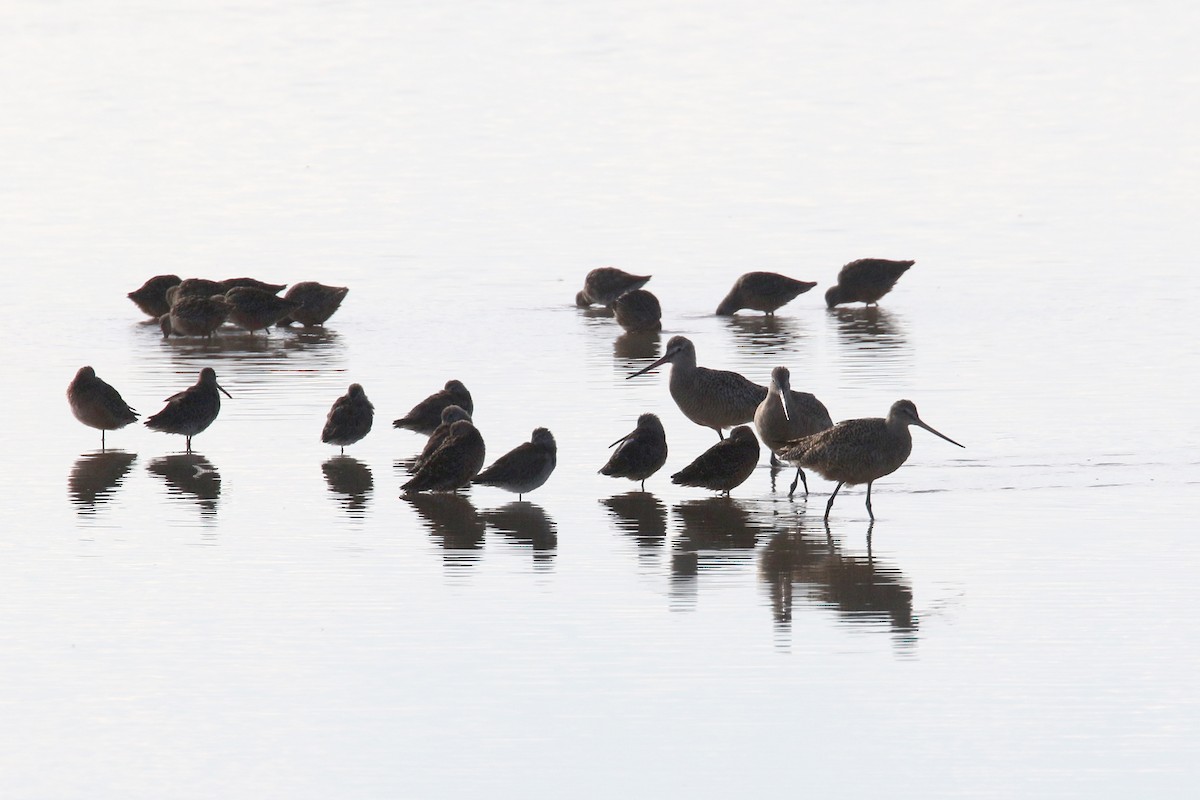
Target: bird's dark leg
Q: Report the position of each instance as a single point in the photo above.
(829, 505)
(720, 433)
(101, 440)
(799, 478)
(869, 511)
(643, 484)
(774, 460)
(189, 444)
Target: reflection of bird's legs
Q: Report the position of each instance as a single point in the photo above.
(829, 505)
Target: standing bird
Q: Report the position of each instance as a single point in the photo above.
(865, 281)
(151, 296)
(257, 309)
(317, 302)
(456, 461)
(191, 411)
(349, 418)
(603, 285)
(450, 415)
(857, 451)
(724, 466)
(714, 398)
(524, 468)
(194, 315)
(97, 404)
(762, 291)
(638, 311)
(426, 415)
(788, 415)
(642, 451)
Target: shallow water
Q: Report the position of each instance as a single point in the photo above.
(268, 617)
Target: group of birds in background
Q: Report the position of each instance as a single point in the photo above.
(795, 426)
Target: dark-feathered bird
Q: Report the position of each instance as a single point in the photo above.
(257, 309)
(762, 291)
(603, 285)
(252, 283)
(194, 287)
(426, 415)
(714, 398)
(97, 404)
(640, 453)
(724, 466)
(349, 418)
(151, 296)
(450, 415)
(524, 468)
(189, 412)
(456, 461)
(317, 302)
(638, 311)
(865, 281)
(857, 451)
(194, 315)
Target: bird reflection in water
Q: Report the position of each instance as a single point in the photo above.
(869, 327)
(452, 521)
(766, 336)
(528, 525)
(641, 515)
(857, 587)
(95, 476)
(714, 532)
(636, 346)
(192, 476)
(350, 481)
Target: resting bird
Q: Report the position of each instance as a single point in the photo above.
(349, 419)
(191, 411)
(640, 453)
(97, 404)
(456, 461)
(426, 415)
(724, 466)
(524, 468)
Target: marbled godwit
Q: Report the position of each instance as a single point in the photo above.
(865, 281)
(762, 291)
(452, 466)
(191, 411)
(193, 315)
(317, 302)
(426, 415)
(603, 285)
(642, 451)
(524, 468)
(857, 451)
(725, 465)
(151, 296)
(714, 398)
(638, 311)
(787, 415)
(97, 404)
(251, 283)
(257, 309)
(450, 415)
(349, 418)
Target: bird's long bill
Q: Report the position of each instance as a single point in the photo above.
(623, 438)
(227, 394)
(936, 433)
(644, 370)
(786, 414)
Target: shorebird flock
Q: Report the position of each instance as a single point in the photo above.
(795, 426)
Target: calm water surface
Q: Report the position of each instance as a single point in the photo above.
(266, 617)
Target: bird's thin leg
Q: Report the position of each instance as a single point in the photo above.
(829, 505)
(101, 440)
(869, 511)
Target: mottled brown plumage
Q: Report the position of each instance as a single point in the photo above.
(151, 296)
(713, 398)
(456, 461)
(603, 285)
(317, 302)
(638, 311)
(349, 419)
(426, 415)
(786, 415)
(724, 466)
(193, 315)
(257, 309)
(858, 451)
(865, 281)
(450, 415)
(97, 404)
(762, 291)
